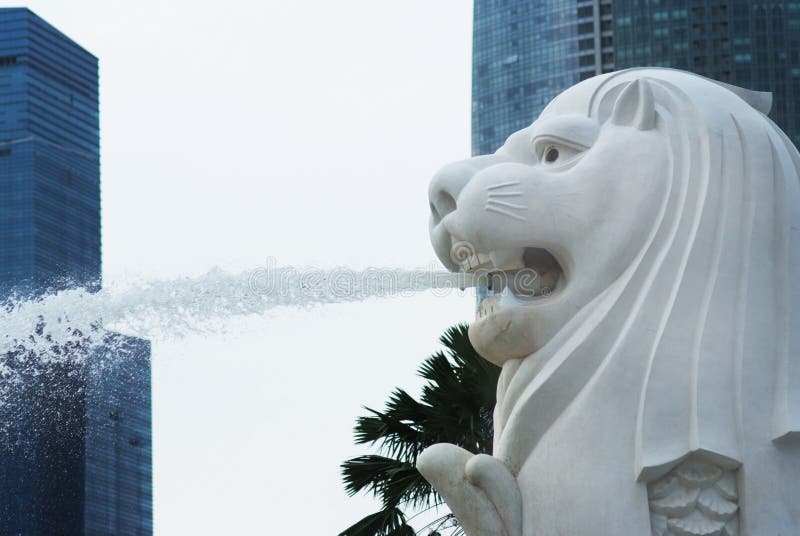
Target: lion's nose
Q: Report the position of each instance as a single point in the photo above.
(444, 189)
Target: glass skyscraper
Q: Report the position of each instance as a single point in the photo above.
(49, 156)
(118, 453)
(526, 52)
(75, 436)
(754, 45)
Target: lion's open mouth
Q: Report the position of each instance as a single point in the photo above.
(525, 275)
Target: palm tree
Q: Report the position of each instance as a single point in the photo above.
(455, 406)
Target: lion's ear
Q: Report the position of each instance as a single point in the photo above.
(635, 106)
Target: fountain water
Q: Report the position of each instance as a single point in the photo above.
(175, 307)
(47, 341)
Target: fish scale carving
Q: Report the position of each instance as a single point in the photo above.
(697, 498)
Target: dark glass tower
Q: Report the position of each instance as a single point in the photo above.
(748, 44)
(118, 447)
(49, 156)
(524, 53)
(75, 433)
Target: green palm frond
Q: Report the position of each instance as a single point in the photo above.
(386, 522)
(397, 428)
(455, 406)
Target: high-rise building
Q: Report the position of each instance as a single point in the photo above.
(755, 45)
(75, 435)
(49, 156)
(118, 493)
(525, 53)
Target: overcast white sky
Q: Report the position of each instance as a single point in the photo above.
(300, 130)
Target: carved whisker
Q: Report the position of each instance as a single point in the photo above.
(502, 185)
(504, 194)
(505, 204)
(496, 210)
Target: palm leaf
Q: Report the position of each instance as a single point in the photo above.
(455, 406)
(386, 522)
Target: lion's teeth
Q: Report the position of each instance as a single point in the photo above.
(508, 259)
(475, 261)
(487, 305)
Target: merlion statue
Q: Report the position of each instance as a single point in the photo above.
(651, 379)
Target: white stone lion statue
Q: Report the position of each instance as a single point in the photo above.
(654, 386)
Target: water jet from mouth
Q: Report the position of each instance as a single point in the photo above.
(168, 308)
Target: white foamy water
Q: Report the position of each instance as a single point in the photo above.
(165, 308)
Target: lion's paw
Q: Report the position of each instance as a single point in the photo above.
(479, 489)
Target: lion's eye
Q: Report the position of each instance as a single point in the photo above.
(555, 153)
(550, 154)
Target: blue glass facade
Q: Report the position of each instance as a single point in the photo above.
(748, 44)
(49, 156)
(41, 447)
(118, 446)
(75, 435)
(76, 443)
(524, 53)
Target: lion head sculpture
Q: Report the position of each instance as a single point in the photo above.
(661, 212)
